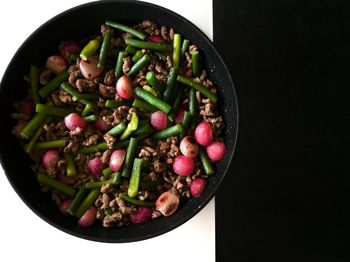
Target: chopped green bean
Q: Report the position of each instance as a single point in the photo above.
(50, 144)
(34, 76)
(119, 65)
(108, 212)
(117, 130)
(70, 165)
(151, 90)
(93, 149)
(192, 106)
(184, 47)
(121, 144)
(186, 120)
(87, 110)
(52, 110)
(117, 178)
(168, 132)
(112, 104)
(142, 129)
(53, 84)
(143, 106)
(176, 105)
(147, 184)
(196, 67)
(91, 48)
(78, 198)
(54, 184)
(87, 202)
(176, 50)
(147, 45)
(33, 125)
(137, 56)
(107, 171)
(125, 28)
(73, 92)
(156, 102)
(203, 90)
(132, 126)
(131, 50)
(107, 36)
(91, 118)
(134, 183)
(170, 85)
(85, 97)
(98, 184)
(136, 201)
(154, 82)
(130, 155)
(72, 58)
(207, 165)
(141, 63)
(35, 137)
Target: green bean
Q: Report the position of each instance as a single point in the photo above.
(125, 28)
(117, 130)
(154, 82)
(132, 126)
(34, 76)
(52, 110)
(91, 118)
(107, 36)
(117, 178)
(186, 120)
(37, 134)
(207, 165)
(112, 104)
(33, 125)
(93, 149)
(121, 144)
(143, 106)
(203, 90)
(176, 50)
(170, 85)
(119, 65)
(71, 170)
(107, 171)
(88, 109)
(50, 144)
(130, 155)
(53, 84)
(151, 90)
(184, 47)
(108, 212)
(91, 48)
(168, 132)
(135, 201)
(86, 97)
(54, 184)
(87, 202)
(156, 102)
(140, 137)
(72, 58)
(142, 62)
(161, 56)
(131, 50)
(134, 183)
(98, 184)
(196, 67)
(176, 105)
(73, 92)
(147, 184)
(137, 56)
(148, 45)
(192, 104)
(142, 129)
(78, 198)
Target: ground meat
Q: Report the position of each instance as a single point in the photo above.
(117, 42)
(105, 28)
(107, 92)
(71, 147)
(110, 140)
(105, 200)
(207, 109)
(74, 74)
(106, 156)
(164, 32)
(143, 195)
(125, 210)
(92, 140)
(171, 34)
(85, 85)
(217, 125)
(149, 27)
(64, 97)
(110, 221)
(156, 214)
(131, 110)
(120, 114)
(126, 65)
(193, 48)
(45, 77)
(109, 78)
(159, 166)
(17, 129)
(108, 188)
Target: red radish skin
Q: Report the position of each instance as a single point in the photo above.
(159, 120)
(56, 64)
(180, 115)
(89, 68)
(101, 125)
(68, 48)
(204, 134)
(155, 39)
(88, 218)
(216, 150)
(124, 87)
(26, 107)
(95, 167)
(188, 73)
(183, 166)
(74, 121)
(197, 186)
(65, 179)
(50, 158)
(117, 159)
(64, 205)
(167, 203)
(189, 147)
(141, 216)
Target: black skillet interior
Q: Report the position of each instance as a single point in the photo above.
(76, 24)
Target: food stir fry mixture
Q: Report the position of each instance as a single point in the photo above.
(122, 127)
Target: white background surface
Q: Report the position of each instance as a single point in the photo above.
(24, 236)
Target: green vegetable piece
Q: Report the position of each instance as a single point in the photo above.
(57, 185)
(117, 130)
(52, 110)
(50, 144)
(119, 65)
(107, 36)
(33, 125)
(71, 170)
(184, 48)
(135, 201)
(134, 183)
(107, 171)
(117, 178)
(91, 48)
(132, 126)
(98, 184)
(127, 29)
(151, 99)
(78, 198)
(148, 45)
(141, 63)
(53, 84)
(176, 50)
(87, 202)
(91, 118)
(196, 67)
(168, 132)
(207, 165)
(154, 82)
(170, 85)
(29, 148)
(129, 158)
(131, 50)
(144, 106)
(203, 90)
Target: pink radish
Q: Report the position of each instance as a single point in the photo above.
(188, 73)
(180, 115)
(141, 216)
(73, 121)
(189, 147)
(64, 205)
(183, 166)
(56, 64)
(26, 107)
(101, 125)
(204, 134)
(124, 87)
(216, 150)
(117, 159)
(155, 39)
(68, 48)
(50, 158)
(197, 186)
(89, 68)
(167, 203)
(88, 218)
(95, 167)
(159, 120)
(65, 179)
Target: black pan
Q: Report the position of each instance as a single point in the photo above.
(75, 24)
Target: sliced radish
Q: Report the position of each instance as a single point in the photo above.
(124, 87)
(68, 48)
(101, 125)
(180, 115)
(197, 186)
(73, 121)
(159, 120)
(89, 68)
(95, 166)
(155, 39)
(88, 218)
(204, 134)
(216, 150)
(64, 205)
(56, 64)
(117, 159)
(65, 179)
(141, 216)
(183, 165)
(50, 158)
(167, 203)
(189, 147)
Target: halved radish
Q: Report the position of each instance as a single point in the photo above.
(65, 179)
(167, 203)
(89, 68)
(155, 39)
(117, 159)
(183, 166)
(189, 147)
(95, 166)
(56, 64)
(73, 121)
(64, 205)
(197, 186)
(50, 158)
(88, 218)
(141, 216)
(101, 125)
(124, 87)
